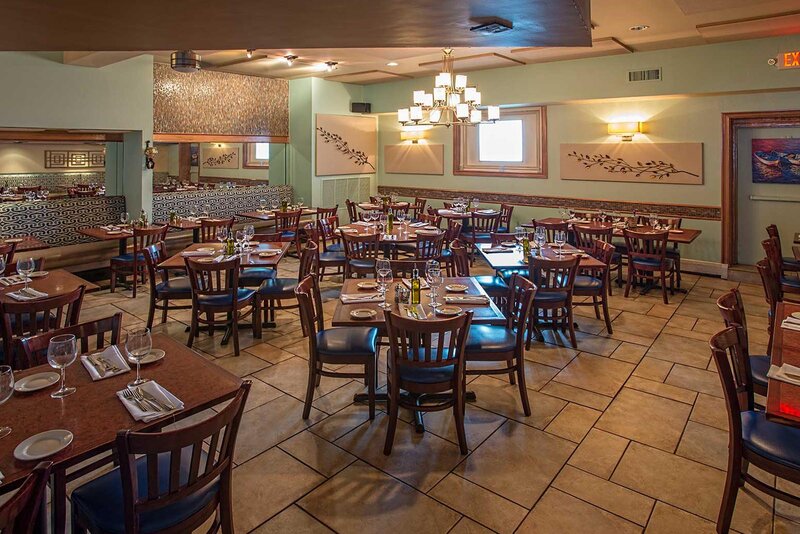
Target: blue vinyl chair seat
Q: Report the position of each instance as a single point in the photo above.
(331, 256)
(759, 366)
(254, 276)
(277, 286)
(335, 247)
(549, 298)
(493, 285)
(791, 282)
(347, 341)
(129, 257)
(490, 338)
(287, 235)
(359, 263)
(101, 502)
(774, 441)
(175, 285)
(426, 375)
(502, 229)
(652, 263)
(225, 300)
(587, 283)
(506, 274)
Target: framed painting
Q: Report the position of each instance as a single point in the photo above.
(346, 144)
(219, 157)
(655, 163)
(776, 161)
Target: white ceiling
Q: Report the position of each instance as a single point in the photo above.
(672, 23)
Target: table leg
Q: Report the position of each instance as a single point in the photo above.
(195, 235)
(58, 501)
(123, 246)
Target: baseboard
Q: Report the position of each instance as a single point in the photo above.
(704, 267)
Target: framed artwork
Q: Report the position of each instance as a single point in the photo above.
(655, 163)
(74, 159)
(216, 157)
(346, 144)
(776, 161)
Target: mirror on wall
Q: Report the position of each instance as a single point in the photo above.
(213, 165)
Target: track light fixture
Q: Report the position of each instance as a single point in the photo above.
(330, 66)
(289, 59)
(250, 53)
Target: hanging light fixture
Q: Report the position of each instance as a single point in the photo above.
(452, 101)
(185, 61)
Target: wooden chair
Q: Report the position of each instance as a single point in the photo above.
(215, 290)
(209, 227)
(288, 224)
(483, 225)
(731, 307)
(552, 305)
(255, 276)
(498, 238)
(426, 357)
(789, 286)
(20, 514)
(585, 237)
(431, 219)
(453, 233)
(752, 438)
(133, 264)
(162, 287)
(506, 343)
(584, 215)
(334, 346)
(331, 255)
(274, 292)
(595, 283)
(324, 213)
(429, 247)
(34, 348)
(789, 263)
(352, 210)
(25, 319)
(505, 217)
(418, 207)
(7, 255)
(551, 228)
(166, 481)
(772, 293)
(403, 268)
(494, 286)
(647, 260)
(361, 252)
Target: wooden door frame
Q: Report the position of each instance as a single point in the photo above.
(731, 124)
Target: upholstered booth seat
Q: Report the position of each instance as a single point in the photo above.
(255, 276)
(347, 341)
(490, 338)
(225, 300)
(774, 441)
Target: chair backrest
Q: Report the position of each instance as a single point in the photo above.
(326, 231)
(352, 210)
(312, 317)
(404, 268)
(554, 276)
(772, 231)
(431, 219)
(603, 251)
(7, 253)
(733, 368)
(395, 209)
(93, 335)
(324, 213)
(585, 236)
(447, 205)
(518, 306)
(153, 255)
(419, 204)
(144, 237)
(551, 228)
(366, 246)
(430, 344)
(646, 245)
(267, 237)
(460, 258)
(213, 279)
(772, 288)
(772, 247)
(505, 214)
(288, 221)
(731, 307)
(20, 513)
(429, 247)
(189, 473)
(484, 223)
(11, 268)
(208, 228)
(502, 237)
(454, 227)
(309, 260)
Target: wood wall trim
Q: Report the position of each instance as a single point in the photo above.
(216, 138)
(60, 136)
(687, 211)
(731, 124)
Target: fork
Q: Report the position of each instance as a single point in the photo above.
(128, 394)
(137, 394)
(108, 365)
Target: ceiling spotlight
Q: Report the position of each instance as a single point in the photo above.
(330, 66)
(392, 64)
(250, 53)
(639, 27)
(289, 59)
(185, 61)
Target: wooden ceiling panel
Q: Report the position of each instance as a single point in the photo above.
(690, 7)
(367, 77)
(783, 24)
(600, 47)
(488, 60)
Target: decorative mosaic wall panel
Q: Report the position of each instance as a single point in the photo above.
(223, 202)
(52, 181)
(56, 222)
(209, 102)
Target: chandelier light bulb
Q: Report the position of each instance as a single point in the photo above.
(439, 94)
(445, 79)
(493, 112)
(461, 82)
(402, 115)
(419, 97)
(475, 116)
(415, 112)
(462, 111)
(427, 100)
(455, 99)
(469, 94)
(435, 116)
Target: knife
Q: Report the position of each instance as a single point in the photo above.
(164, 405)
(100, 369)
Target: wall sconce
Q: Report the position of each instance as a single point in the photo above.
(625, 130)
(412, 135)
(149, 155)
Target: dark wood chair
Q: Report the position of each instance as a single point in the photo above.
(551, 228)
(324, 213)
(7, 255)
(162, 287)
(430, 219)
(361, 252)
(215, 290)
(647, 260)
(453, 233)
(397, 209)
(731, 307)
(789, 263)
(166, 481)
(505, 217)
(426, 357)
(352, 210)
(772, 294)
(429, 247)
(331, 255)
(595, 283)
(288, 224)
(133, 264)
(585, 236)
(93, 335)
(334, 346)
(209, 227)
(25, 319)
(753, 439)
(498, 238)
(494, 286)
(789, 285)
(403, 268)
(20, 514)
(418, 207)
(255, 276)
(482, 226)
(552, 305)
(506, 343)
(274, 292)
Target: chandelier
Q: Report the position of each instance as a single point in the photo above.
(452, 101)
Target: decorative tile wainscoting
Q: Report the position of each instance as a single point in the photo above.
(56, 221)
(224, 203)
(52, 180)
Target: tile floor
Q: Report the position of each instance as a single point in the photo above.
(628, 432)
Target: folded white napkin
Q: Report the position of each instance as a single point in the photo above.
(162, 395)
(368, 297)
(13, 280)
(361, 223)
(110, 228)
(791, 324)
(27, 294)
(446, 212)
(466, 299)
(785, 373)
(492, 250)
(485, 211)
(190, 253)
(423, 284)
(418, 224)
(113, 356)
(389, 237)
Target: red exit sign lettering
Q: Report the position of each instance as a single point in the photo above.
(789, 60)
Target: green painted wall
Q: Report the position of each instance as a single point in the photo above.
(301, 124)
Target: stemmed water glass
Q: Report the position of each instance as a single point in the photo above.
(300, 202)
(475, 203)
(123, 218)
(61, 352)
(540, 237)
(653, 220)
(385, 278)
(249, 232)
(274, 204)
(222, 234)
(240, 237)
(560, 237)
(430, 265)
(382, 220)
(138, 346)
(519, 234)
(193, 211)
(262, 204)
(6, 390)
(434, 278)
(25, 267)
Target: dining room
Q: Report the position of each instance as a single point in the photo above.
(461, 267)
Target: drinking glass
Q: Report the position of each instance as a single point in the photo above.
(6, 390)
(274, 204)
(382, 264)
(25, 267)
(192, 211)
(519, 234)
(385, 279)
(262, 204)
(207, 210)
(653, 220)
(382, 220)
(61, 352)
(138, 346)
(430, 265)
(240, 238)
(560, 237)
(475, 203)
(434, 277)
(123, 218)
(222, 234)
(249, 232)
(300, 202)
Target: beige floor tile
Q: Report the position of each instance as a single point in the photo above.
(552, 355)
(646, 418)
(317, 453)
(595, 373)
(704, 444)
(342, 422)
(633, 339)
(663, 311)
(241, 365)
(653, 369)
(294, 520)
(503, 399)
(667, 519)
(599, 453)
(341, 397)
(260, 393)
(710, 411)
(254, 497)
(291, 376)
(517, 462)
(638, 324)
(629, 352)
(689, 334)
(493, 511)
(695, 379)
(600, 492)
(577, 395)
(341, 502)
(602, 346)
(681, 350)
(573, 422)
(698, 308)
(682, 322)
(478, 425)
(662, 390)
(559, 512)
(468, 526)
(269, 353)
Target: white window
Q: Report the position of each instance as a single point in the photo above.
(262, 150)
(256, 155)
(501, 141)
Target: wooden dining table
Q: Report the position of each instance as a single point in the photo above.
(400, 233)
(783, 398)
(452, 214)
(371, 206)
(29, 243)
(185, 224)
(94, 415)
(512, 257)
(56, 282)
(269, 215)
(178, 261)
(100, 234)
(681, 236)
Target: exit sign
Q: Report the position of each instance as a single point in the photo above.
(789, 60)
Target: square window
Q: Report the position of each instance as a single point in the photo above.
(262, 150)
(501, 141)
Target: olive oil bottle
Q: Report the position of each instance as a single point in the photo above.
(415, 287)
(230, 245)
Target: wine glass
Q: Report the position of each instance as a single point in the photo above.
(6, 390)
(192, 211)
(61, 352)
(138, 346)
(653, 220)
(249, 232)
(240, 238)
(123, 218)
(262, 204)
(434, 278)
(382, 264)
(429, 266)
(560, 237)
(382, 220)
(519, 234)
(222, 234)
(25, 267)
(475, 203)
(385, 279)
(300, 202)
(274, 204)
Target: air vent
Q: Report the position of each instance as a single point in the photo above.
(646, 75)
(491, 27)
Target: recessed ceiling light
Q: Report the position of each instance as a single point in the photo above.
(639, 27)
(289, 59)
(392, 64)
(250, 53)
(330, 66)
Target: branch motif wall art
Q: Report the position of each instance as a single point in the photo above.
(345, 144)
(658, 163)
(219, 157)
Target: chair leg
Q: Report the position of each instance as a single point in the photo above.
(571, 326)
(164, 311)
(523, 390)
(596, 305)
(235, 332)
(392, 426)
(113, 280)
(629, 282)
(458, 414)
(511, 377)
(192, 329)
(225, 506)
(209, 317)
(312, 378)
(256, 317)
(664, 287)
(151, 313)
(608, 281)
(369, 370)
(604, 302)
(732, 483)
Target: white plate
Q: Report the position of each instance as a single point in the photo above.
(254, 243)
(36, 382)
(448, 311)
(154, 356)
(206, 249)
(14, 240)
(363, 313)
(38, 274)
(796, 315)
(268, 253)
(456, 288)
(367, 285)
(43, 445)
(114, 232)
